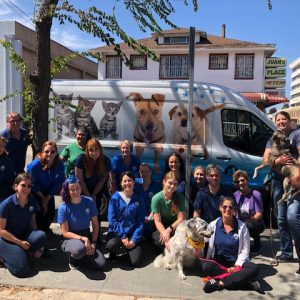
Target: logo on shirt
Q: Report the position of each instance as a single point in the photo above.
(87, 211)
(150, 194)
(137, 203)
(2, 168)
(134, 168)
(236, 236)
(31, 209)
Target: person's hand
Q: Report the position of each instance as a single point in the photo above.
(233, 269)
(92, 249)
(125, 242)
(284, 159)
(25, 245)
(44, 206)
(165, 236)
(87, 244)
(167, 245)
(131, 244)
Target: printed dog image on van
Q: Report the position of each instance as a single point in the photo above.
(179, 116)
(280, 146)
(149, 126)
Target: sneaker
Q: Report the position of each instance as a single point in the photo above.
(211, 286)
(255, 285)
(73, 264)
(284, 259)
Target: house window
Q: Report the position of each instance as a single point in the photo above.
(218, 61)
(113, 67)
(244, 66)
(139, 62)
(176, 39)
(173, 67)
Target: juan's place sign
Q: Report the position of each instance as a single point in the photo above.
(275, 72)
(275, 62)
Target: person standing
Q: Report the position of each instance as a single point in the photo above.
(7, 174)
(48, 174)
(74, 216)
(18, 141)
(283, 122)
(207, 202)
(19, 237)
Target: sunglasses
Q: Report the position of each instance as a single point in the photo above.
(49, 152)
(227, 207)
(28, 186)
(240, 181)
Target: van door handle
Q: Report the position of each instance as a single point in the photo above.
(223, 157)
(199, 155)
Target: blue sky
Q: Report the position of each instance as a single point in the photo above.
(248, 20)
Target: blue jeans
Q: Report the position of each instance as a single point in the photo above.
(285, 236)
(15, 258)
(293, 216)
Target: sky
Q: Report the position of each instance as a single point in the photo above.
(248, 20)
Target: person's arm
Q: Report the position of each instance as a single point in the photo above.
(197, 205)
(112, 216)
(266, 156)
(180, 218)
(95, 234)
(244, 245)
(99, 185)
(79, 175)
(65, 154)
(11, 237)
(58, 179)
(139, 229)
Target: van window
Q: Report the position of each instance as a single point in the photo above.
(244, 132)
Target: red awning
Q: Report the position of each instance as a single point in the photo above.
(261, 97)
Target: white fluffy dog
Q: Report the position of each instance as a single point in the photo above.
(188, 238)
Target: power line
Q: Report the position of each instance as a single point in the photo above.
(17, 10)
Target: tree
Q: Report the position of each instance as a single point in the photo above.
(97, 23)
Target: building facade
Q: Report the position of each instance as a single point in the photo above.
(236, 64)
(295, 82)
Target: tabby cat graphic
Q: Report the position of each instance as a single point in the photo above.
(108, 124)
(83, 117)
(65, 116)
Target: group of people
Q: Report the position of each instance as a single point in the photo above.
(138, 209)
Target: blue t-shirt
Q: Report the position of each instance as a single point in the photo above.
(18, 218)
(209, 204)
(47, 181)
(92, 181)
(7, 176)
(226, 244)
(17, 148)
(78, 215)
(118, 166)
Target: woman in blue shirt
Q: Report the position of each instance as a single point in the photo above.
(74, 216)
(227, 256)
(47, 172)
(126, 215)
(19, 236)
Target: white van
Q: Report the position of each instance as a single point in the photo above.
(227, 129)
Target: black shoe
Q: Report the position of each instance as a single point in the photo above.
(112, 257)
(284, 259)
(211, 286)
(73, 264)
(46, 253)
(255, 285)
(298, 272)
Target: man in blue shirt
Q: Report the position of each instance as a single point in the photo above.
(18, 141)
(207, 202)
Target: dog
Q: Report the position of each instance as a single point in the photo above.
(189, 236)
(149, 126)
(199, 135)
(280, 146)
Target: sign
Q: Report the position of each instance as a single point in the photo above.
(274, 83)
(276, 92)
(275, 72)
(276, 62)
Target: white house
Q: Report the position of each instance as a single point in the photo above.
(237, 64)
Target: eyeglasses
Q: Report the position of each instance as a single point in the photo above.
(214, 175)
(227, 207)
(240, 181)
(49, 152)
(28, 186)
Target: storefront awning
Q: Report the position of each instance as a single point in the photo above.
(265, 100)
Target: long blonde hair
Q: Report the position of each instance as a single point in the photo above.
(175, 201)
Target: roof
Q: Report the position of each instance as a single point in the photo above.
(264, 98)
(206, 41)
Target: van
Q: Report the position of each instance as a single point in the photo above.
(226, 128)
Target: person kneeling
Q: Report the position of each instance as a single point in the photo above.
(74, 216)
(227, 262)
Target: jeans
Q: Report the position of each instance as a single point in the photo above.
(293, 216)
(285, 236)
(15, 258)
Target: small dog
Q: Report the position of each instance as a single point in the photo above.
(280, 146)
(199, 135)
(149, 127)
(188, 238)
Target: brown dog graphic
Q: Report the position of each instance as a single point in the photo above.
(149, 128)
(199, 136)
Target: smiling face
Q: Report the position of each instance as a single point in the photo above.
(227, 209)
(49, 153)
(74, 190)
(145, 172)
(23, 188)
(127, 184)
(282, 122)
(93, 152)
(174, 163)
(81, 137)
(170, 185)
(213, 177)
(14, 122)
(200, 176)
(242, 183)
(125, 149)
